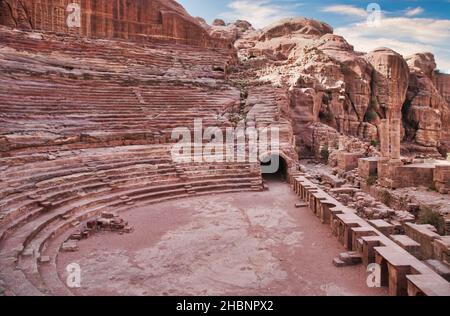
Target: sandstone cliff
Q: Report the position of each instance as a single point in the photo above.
(425, 112)
(138, 20)
(329, 88)
(332, 85)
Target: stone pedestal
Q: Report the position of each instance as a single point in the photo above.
(368, 167)
(387, 169)
(442, 178)
(348, 161)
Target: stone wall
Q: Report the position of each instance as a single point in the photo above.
(137, 20)
(415, 176)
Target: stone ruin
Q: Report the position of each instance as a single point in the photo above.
(90, 92)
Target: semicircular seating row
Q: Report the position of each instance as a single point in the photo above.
(42, 196)
(83, 129)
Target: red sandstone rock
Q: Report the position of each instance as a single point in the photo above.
(426, 112)
(295, 26)
(391, 79)
(89, 127)
(219, 22)
(138, 20)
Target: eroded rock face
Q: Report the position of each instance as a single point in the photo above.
(295, 26)
(390, 80)
(425, 111)
(132, 20)
(328, 81)
(219, 22)
(442, 83)
(229, 32)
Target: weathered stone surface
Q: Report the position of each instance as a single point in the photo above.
(425, 111)
(294, 26)
(138, 20)
(368, 167)
(390, 80)
(218, 22)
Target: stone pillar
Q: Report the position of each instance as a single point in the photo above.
(384, 139)
(395, 138)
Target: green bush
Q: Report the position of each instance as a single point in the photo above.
(371, 115)
(374, 143)
(325, 153)
(428, 216)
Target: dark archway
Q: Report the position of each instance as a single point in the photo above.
(274, 168)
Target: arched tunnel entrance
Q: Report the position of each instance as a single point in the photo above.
(274, 168)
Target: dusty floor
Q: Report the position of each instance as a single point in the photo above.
(238, 244)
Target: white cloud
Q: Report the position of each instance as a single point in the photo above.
(258, 12)
(405, 35)
(346, 10)
(414, 11)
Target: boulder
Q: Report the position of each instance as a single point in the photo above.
(219, 22)
(293, 26)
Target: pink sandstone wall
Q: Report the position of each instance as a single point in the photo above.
(442, 82)
(136, 20)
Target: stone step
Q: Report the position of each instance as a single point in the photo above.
(339, 263)
(350, 258)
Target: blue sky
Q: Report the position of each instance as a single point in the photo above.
(407, 26)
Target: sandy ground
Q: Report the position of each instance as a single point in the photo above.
(231, 244)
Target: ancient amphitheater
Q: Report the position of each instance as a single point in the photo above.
(90, 94)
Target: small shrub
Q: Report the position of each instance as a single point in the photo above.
(374, 143)
(431, 217)
(386, 197)
(371, 116)
(326, 117)
(371, 180)
(325, 153)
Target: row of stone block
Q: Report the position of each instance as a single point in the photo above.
(433, 245)
(400, 271)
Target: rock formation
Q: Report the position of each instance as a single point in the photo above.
(139, 20)
(331, 84)
(426, 111)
